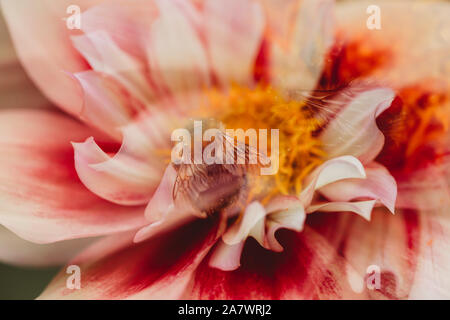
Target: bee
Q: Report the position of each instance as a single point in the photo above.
(210, 188)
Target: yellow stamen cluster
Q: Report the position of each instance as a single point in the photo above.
(265, 108)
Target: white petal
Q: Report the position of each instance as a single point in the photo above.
(354, 130)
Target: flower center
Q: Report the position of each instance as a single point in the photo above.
(263, 107)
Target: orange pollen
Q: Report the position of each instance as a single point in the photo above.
(263, 107)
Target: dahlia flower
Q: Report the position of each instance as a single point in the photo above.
(362, 165)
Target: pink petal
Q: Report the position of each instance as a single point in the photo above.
(354, 131)
(425, 189)
(181, 73)
(105, 56)
(432, 275)
(162, 212)
(130, 176)
(121, 179)
(344, 167)
(226, 257)
(285, 212)
(16, 251)
(390, 242)
(43, 45)
(302, 32)
(378, 185)
(281, 203)
(41, 197)
(104, 108)
(262, 224)
(254, 213)
(127, 22)
(292, 219)
(234, 32)
(160, 268)
(362, 208)
(149, 133)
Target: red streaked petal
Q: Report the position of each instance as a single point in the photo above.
(234, 31)
(432, 275)
(425, 189)
(159, 268)
(41, 197)
(389, 242)
(308, 268)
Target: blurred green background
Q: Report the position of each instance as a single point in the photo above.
(23, 283)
